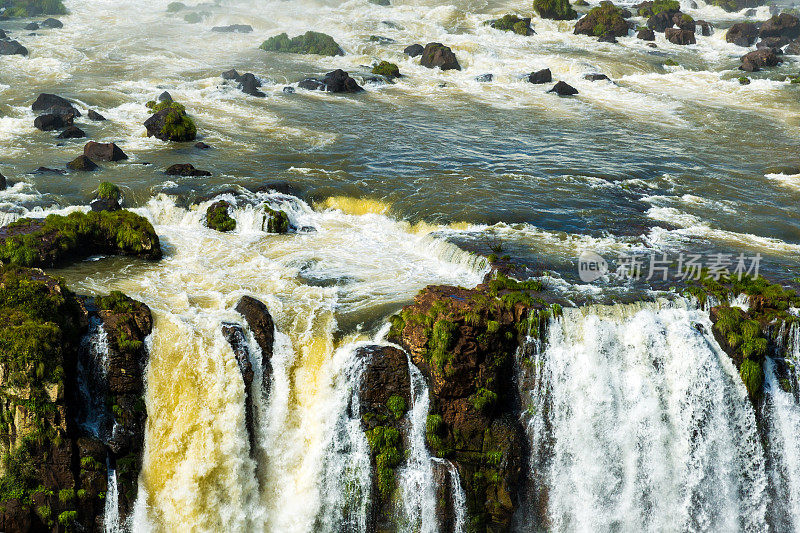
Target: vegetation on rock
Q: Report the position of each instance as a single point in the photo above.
(32, 8)
(170, 122)
(309, 43)
(513, 23)
(604, 18)
(554, 9)
(275, 221)
(384, 68)
(217, 217)
(109, 191)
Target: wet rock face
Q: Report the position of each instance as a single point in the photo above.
(679, 36)
(742, 34)
(236, 337)
(758, 59)
(337, 81)
(103, 151)
(262, 326)
(12, 48)
(784, 25)
(464, 342)
(437, 55)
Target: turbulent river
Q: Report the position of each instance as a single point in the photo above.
(644, 421)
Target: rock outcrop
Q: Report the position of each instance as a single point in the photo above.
(605, 18)
(337, 81)
(679, 36)
(12, 48)
(185, 169)
(310, 42)
(513, 23)
(742, 34)
(104, 151)
(170, 122)
(437, 55)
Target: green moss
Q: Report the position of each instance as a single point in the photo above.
(659, 6)
(441, 342)
(384, 68)
(752, 376)
(174, 7)
(384, 441)
(512, 23)
(554, 9)
(178, 126)
(109, 191)
(66, 495)
(79, 234)
(67, 518)
(397, 405)
(44, 513)
(686, 19)
(483, 400)
(670, 63)
(91, 464)
(275, 220)
(606, 16)
(434, 435)
(217, 217)
(309, 43)
(33, 8)
(81, 494)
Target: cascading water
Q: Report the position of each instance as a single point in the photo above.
(640, 422)
(417, 485)
(111, 520)
(92, 370)
(458, 497)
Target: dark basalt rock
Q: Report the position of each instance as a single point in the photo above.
(679, 36)
(608, 37)
(52, 23)
(3, 183)
(764, 57)
(105, 204)
(94, 115)
(563, 89)
(414, 50)
(233, 28)
(288, 90)
(46, 170)
(596, 77)
(12, 48)
(438, 55)
(165, 97)
(47, 101)
(250, 84)
(185, 169)
(337, 81)
(3, 35)
(50, 122)
(261, 325)
(540, 76)
(103, 151)
(72, 132)
(661, 21)
(793, 48)
(783, 25)
(775, 43)
(82, 163)
(646, 34)
(231, 75)
(742, 34)
(31, 26)
(484, 78)
(705, 27)
(200, 145)
(235, 335)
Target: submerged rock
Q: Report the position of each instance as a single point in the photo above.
(596, 77)
(679, 36)
(414, 50)
(185, 169)
(438, 55)
(50, 122)
(250, 84)
(233, 28)
(12, 48)
(200, 145)
(94, 115)
(52, 23)
(103, 151)
(72, 132)
(540, 76)
(484, 78)
(563, 89)
(337, 81)
(31, 26)
(309, 43)
(82, 163)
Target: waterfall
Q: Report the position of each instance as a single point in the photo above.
(457, 496)
(782, 418)
(111, 521)
(417, 485)
(92, 368)
(639, 421)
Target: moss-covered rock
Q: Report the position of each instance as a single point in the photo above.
(389, 70)
(736, 5)
(604, 18)
(57, 239)
(32, 8)
(170, 122)
(310, 42)
(275, 221)
(554, 9)
(217, 217)
(513, 23)
(648, 9)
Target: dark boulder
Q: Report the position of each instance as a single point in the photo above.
(605, 18)
(170, 122)
(337, 81)
(201, 145)
(105, 204)
(563, 89)
(646, 34)
(235, 335)
(793, 48)
(679, 36)
(52, 23)
(12, 48)
(414, 50)
(103, 151)
(776, 43)
(50, 122)
(661, 21)
(233, 28)
(742, 34)
(250, 84)
(513, 23)
(484, 78)
(438, 55)
(764, 57)
(231, 75)
(46, 170)
(683, 21)
(52, 103)
(311, 84)
(165, 97)
(82, 164)
(3, 34)
(540, 76)
(261, 325)
(608, 37)
(94, 115)
(705, 27)
(185, 169)
(72, 132)
(288, 90)
(3, 183)
(783, 25)
(31, 27)
(596, 77)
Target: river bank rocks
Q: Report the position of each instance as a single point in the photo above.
(310, 42)
(602, 19)
(32, 8)
(104, 151)
(437, 55)
(54, 475)
(57, 239)
(464, 342)
(512, 23)
(337, 81)
(169, 121)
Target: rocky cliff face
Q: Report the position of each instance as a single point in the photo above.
(53, 472)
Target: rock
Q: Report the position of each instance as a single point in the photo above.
(12, 48)
(165, 97)
(103, 151)
(783, 25)
(775, 43)
(185, 169)
(337, 81)
(608, 37)
(3, 183)
(596, 77)
(50, 122)
(438, 55)
(274, 221)
(94, 115)
(218, 217)
(540, 76)
(414, 50)
(309, 43)
(52, 103)
(72, 132)
(661, 21)
(170, 122)
(233, 28)
(385, 375)
(679, 36)
(82, 163)
(387, 70)
(513, 23)
(484, 78)
(52, 23)
(761, 58)
(384, 3)
(646, 34)
(381, 40)
(201, 145)
(563, 89)
(793, 48)
(605, 18)
(749, 66)
(262, 327)
(3, 34)
(105, 204)
(742, 34)
(288, 90)
(554, 9)
(683, 21)
(231, 75)
(31, 27)
(235, 335)
(250, 84)
(705, 27)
